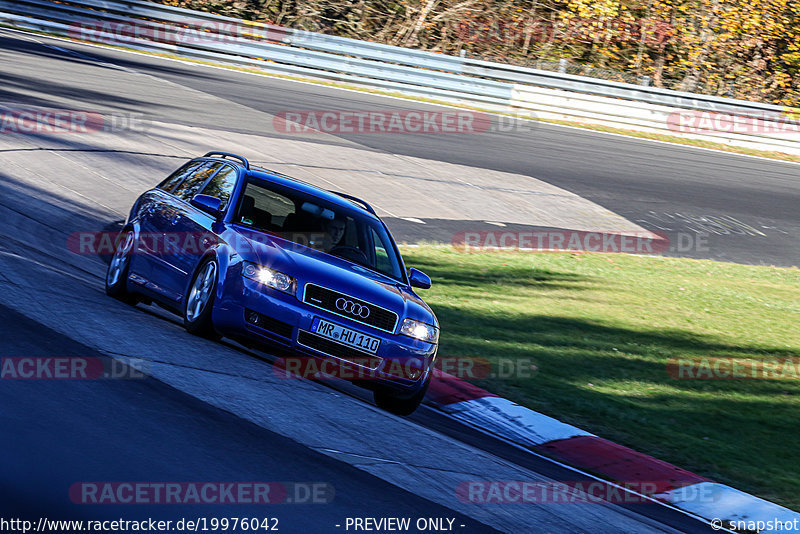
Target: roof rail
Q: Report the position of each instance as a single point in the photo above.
(282, 175)
(288, 177)
(357, 200)
(229, 155)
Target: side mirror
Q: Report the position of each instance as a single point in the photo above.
(419, 279)
(207, 203)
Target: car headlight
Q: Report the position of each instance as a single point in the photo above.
(419, 330)
(269, 277)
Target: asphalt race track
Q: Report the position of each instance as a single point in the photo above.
(745, 207)
(217, 412)
(151, 431)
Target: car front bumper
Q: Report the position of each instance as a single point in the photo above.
(247, 308)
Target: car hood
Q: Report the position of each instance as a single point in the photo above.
(307, 265)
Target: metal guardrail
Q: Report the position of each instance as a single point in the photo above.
(159, 27)
(68, 19)
(599, 87)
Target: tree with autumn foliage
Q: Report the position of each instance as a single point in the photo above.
(747, 49)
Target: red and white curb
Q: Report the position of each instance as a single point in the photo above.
(687, 491)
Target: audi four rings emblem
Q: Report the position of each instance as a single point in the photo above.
(353, 308)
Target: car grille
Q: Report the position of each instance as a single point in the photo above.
(379, 318)
(337, 350)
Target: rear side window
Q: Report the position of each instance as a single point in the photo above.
(221, 185)
(196, 180)
(178, 176)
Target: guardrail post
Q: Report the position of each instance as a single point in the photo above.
(562, 66)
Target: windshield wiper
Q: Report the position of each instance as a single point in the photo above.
(369, 267)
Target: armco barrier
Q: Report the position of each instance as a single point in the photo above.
(751, 132)
(490, 85)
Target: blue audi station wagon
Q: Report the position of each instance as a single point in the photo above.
(257, 256)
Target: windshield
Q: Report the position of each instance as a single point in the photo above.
(318, 224)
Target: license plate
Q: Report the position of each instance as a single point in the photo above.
(345, 336)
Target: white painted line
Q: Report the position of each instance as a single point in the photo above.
(508, 419)
(88, 58)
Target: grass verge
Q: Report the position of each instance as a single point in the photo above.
(599, 330)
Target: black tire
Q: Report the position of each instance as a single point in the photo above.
(197, 320)
(398, 405)
(118, 267)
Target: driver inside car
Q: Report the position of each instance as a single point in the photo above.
(334, 232)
